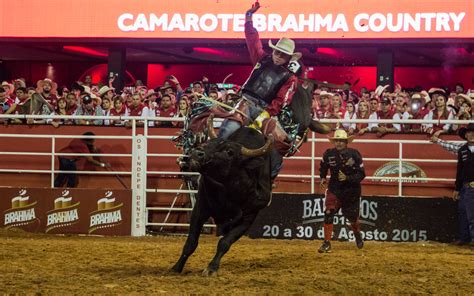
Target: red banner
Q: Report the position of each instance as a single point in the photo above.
(304, 19)
(80, 211)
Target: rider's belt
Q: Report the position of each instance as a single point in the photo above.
(469, 184)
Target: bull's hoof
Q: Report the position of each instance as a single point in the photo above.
(209, 272)
(176, 269)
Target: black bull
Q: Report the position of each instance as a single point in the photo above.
(235, 185)
(236, 182)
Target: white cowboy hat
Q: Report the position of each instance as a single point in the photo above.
(324, 93)
(287, 46)
(341, 134)
(40, 83)
(104, 89)
(380, 89)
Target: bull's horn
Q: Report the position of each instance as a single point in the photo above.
(259, 151)
(210, 127)
(319, 127)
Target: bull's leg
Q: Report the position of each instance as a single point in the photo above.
(198, 217)
(225, 242)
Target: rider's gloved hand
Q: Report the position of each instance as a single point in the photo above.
(257, 123)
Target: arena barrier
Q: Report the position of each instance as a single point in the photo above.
(160, 195)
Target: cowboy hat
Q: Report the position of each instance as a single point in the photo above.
(464, 130)
(324, 93)
(287, 46)
(341, 134)
(10, 86)
(104, 89)
(150, 93)
(167, 85)
(439, 91)
(380, 89)
(20, 82)
(465, 97)
(41, 83)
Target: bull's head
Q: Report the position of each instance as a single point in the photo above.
(218, 156)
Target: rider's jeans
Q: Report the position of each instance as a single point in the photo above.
(254, 109)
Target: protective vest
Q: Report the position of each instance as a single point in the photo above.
(266, 80)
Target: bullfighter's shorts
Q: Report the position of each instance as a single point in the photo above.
(350, 205)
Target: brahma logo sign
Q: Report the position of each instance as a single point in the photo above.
(22, 211)
(108, 214)
(391, 170)
(65, 213)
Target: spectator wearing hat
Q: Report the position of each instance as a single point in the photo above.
(9, 90)
(106, 92)
(87, 108)
(47, 89)
(386, 112)
(77, 90)
(440, 112)
(324, 109)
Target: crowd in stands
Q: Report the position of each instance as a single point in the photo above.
(174, 100)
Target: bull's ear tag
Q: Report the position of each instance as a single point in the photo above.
(294, 66)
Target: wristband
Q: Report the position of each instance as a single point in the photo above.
(248, 14)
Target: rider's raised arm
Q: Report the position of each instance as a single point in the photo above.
(254, 45)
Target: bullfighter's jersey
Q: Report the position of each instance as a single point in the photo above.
(349, 161)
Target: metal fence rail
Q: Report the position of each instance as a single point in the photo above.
(140, 157)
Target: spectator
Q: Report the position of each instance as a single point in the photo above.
(363, 113)
(87, 108)
(119, 109)
(183, 111)
(324, 109)
(106, 108)
(439, 113)
(165, 110)
(465, 111)
(374, 105)
(106, 92)
(9, 90)
(349, 114)
(47, 89)
(68, 163)
(416, 111)
(459, 88)
(71, 103)
(88, 81)
(400, 113)
(385, 113)
(61, 109)
(198, 87)
(336, 111)
(21, 106)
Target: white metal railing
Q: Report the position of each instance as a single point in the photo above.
(312, 176)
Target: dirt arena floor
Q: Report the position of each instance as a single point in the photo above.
(49, 264)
